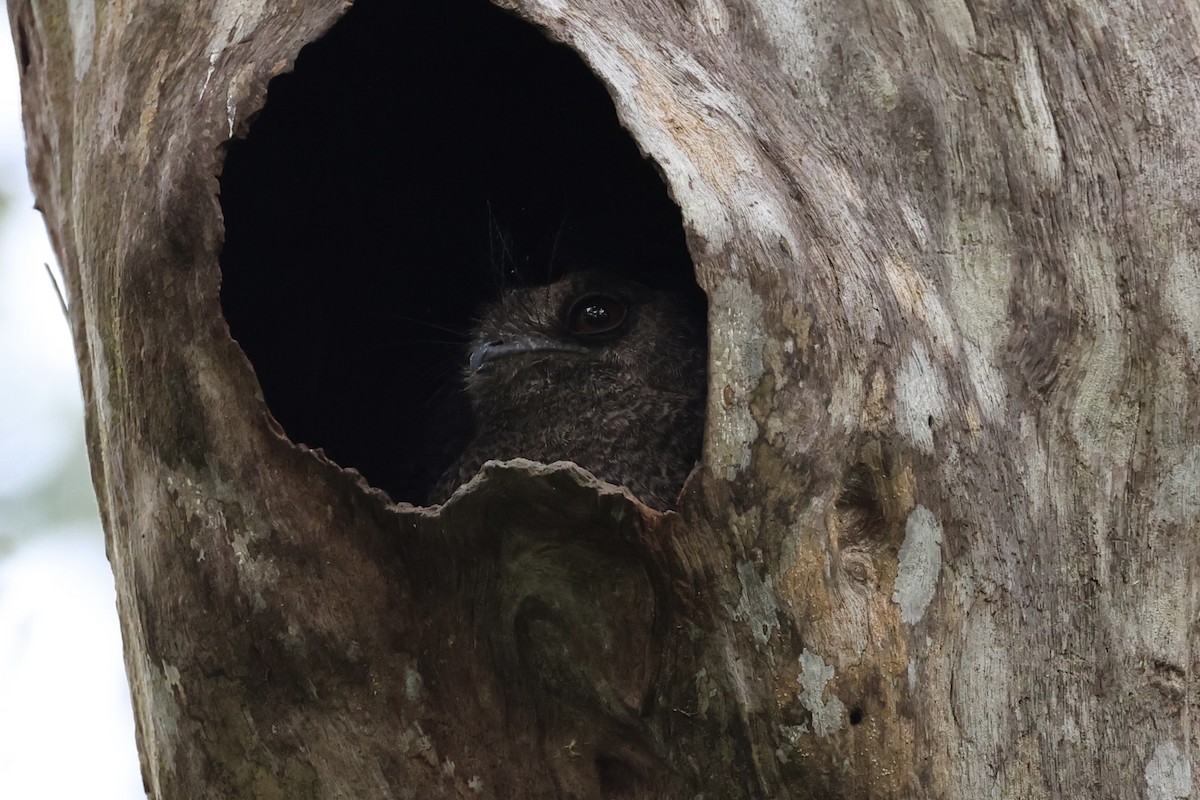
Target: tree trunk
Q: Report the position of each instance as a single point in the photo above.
(944, 541)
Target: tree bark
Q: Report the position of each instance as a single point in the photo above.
(945, 538)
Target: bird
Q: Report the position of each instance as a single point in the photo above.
(594, 368)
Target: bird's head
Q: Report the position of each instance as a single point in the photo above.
(588, 336)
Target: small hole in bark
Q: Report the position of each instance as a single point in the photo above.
(420, 157)
(856, 716)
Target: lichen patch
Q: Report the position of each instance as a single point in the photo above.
(827, 714)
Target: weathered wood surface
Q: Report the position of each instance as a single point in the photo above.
(945, 541)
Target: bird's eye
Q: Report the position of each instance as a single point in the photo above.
(596, 314)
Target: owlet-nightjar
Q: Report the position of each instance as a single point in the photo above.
(594, 369)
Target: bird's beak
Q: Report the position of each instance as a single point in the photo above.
(482, 353)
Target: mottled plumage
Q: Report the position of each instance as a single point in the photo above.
(593, 369)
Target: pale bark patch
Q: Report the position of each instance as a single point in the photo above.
(737, 367)
(979, 292)
(920, 564)
(1168, 773)
(1178, 497)
(1041, 133)
(1181, 292)
(81, 18)
(827, 715)
(921, 398)
(953, 18)
(757, 605)
(919, 300)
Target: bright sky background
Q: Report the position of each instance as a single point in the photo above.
(66, 729)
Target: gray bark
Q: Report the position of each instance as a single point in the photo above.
(945, 538)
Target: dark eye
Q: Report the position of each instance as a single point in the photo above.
(596, 314)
